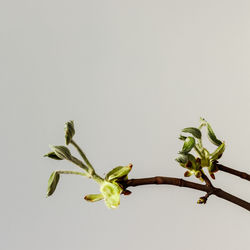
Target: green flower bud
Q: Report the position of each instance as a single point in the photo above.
(52, 183)
(118, 173)
(69, 131)
(61, 152)
(111, 193)
(93, 197)
(194, 131)
(52, 155)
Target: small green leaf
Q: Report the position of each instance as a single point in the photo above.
(52, 183)
(218, 152)
(183, 138)
(69, 131)
(212, 137)
(52, 155)
(118, 172)
(194, 131)
(62, 152)
(182, 159)
(188, 145)
(94, 197)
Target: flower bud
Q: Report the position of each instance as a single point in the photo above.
(198, 174)
(187, 174)
(52, 183)
(212, 176)
(69, 131)
(202, 200)
(111, 193)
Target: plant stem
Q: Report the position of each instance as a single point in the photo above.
(71, 172)
(79, 163)
(82, 154)
(233, 172)
(161, 180)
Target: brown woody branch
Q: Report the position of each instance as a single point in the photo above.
(233, 171)
(208, 188)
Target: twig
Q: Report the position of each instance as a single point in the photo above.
(240, 174)
(210, 190)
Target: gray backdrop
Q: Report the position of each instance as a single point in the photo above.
(131, 74)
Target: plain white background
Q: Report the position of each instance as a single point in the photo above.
(131, 74)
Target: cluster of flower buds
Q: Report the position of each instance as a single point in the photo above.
(204, 159)
(110, 187)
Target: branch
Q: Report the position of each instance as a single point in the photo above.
(240, 174)
(209, 189)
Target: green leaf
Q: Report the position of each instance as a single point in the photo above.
(94, 197)
(218, 152)
(118, 172)
(52, 183)
(188, 145)
(62, 152)
(69, 131)
(187, 161)
(183, 138)
(182, 159)
(52, 155)
(212, 137)
(194, 131)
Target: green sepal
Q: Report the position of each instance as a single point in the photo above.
(52, 155)
(94, 197)
(218, 152)
(194, 131)
(62, 152)
(189, 143)
(119, 172)
(69, 131)
(52, 183)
